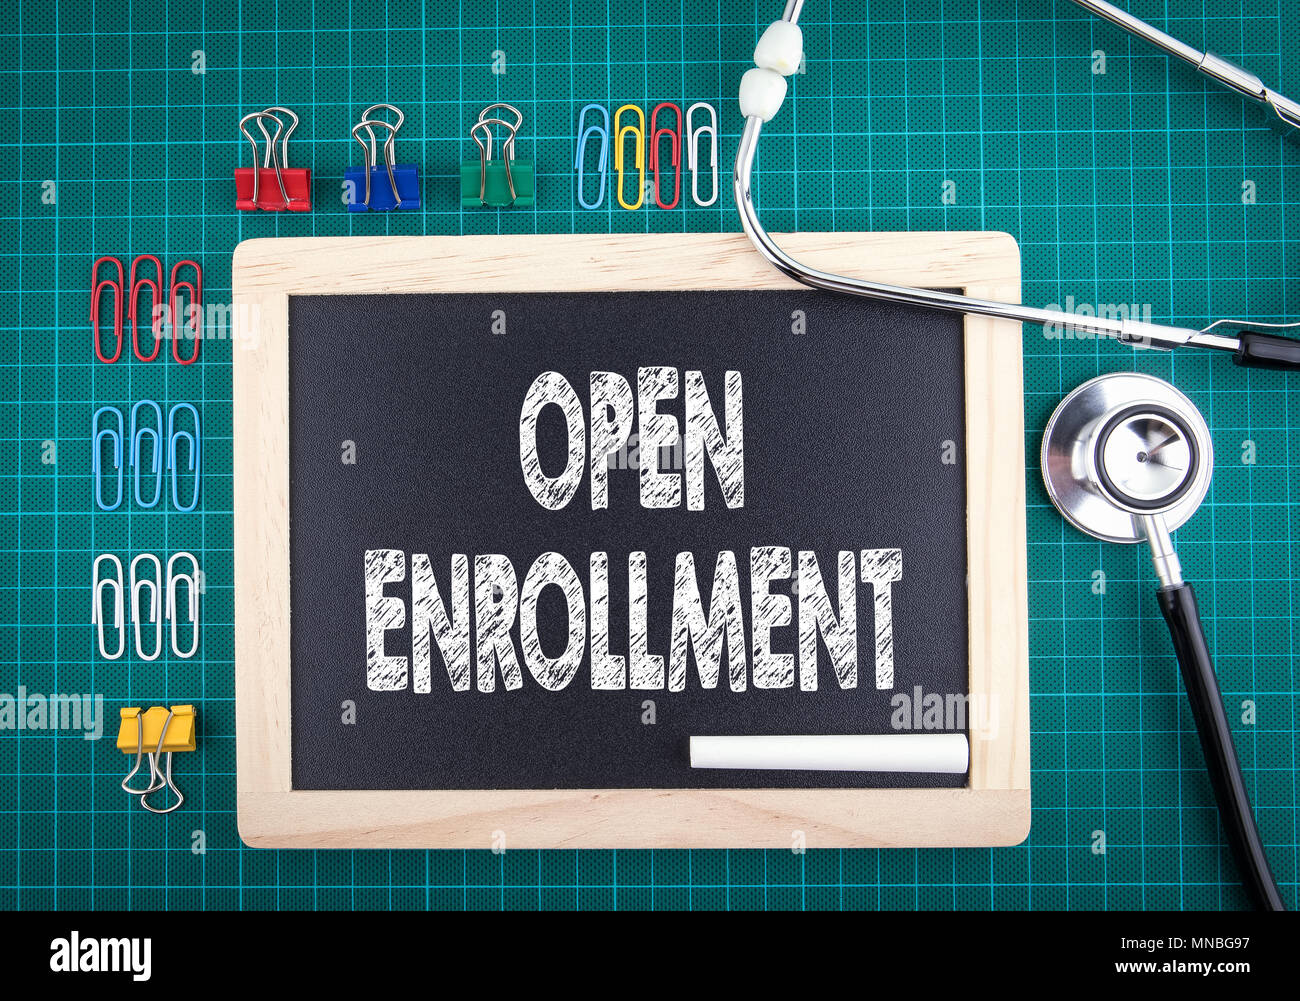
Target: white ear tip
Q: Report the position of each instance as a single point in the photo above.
(761, 93)
(780, 48)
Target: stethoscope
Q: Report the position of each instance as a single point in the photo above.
(1126, 457)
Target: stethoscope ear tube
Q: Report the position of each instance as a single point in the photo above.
(1178, 603)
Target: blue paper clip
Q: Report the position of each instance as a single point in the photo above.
(579, 159)
(173, 436)
(392, 186)
(156, 451)
(97, 435)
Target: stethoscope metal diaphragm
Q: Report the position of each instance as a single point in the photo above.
(1122, 447)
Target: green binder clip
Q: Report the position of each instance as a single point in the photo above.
(496, 183)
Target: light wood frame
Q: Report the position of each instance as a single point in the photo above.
(993, 809)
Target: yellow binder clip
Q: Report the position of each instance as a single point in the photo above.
(619, 132)
(166, 731)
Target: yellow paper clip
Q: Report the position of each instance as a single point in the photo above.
(166, 731)
(640, 154)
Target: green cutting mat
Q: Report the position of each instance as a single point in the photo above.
(1122, 186)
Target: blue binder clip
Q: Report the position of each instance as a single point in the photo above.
(392, 186)
(579, 159)
(173, 436)
(97, 436)
(138, 434)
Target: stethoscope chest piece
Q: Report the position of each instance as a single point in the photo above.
(1122, 447)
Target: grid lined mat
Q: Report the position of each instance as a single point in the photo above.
(1138, 185)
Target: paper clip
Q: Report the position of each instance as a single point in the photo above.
(676, 154)
(154, 285)
(173, 436)
(155, 585)
(192, 580)
(639, 132)
(401, 188)
(96, 287)
(113, 584)
(693, 149)
(292, 186)
(496, 183)
(138, 434)
(97, 435)
(579, 159)
(167, 731)
(194, 321)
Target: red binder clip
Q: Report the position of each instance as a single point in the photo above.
(676, 154)
(194, 320)
(96, 289)
(154, 285)
(273, 186)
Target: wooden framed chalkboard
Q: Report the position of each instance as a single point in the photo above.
(521, 523)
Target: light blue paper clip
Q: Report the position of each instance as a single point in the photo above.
(97, 435)
(156, 451)
(579, 159)
(173, 435)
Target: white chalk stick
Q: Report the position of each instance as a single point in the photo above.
(895, 752)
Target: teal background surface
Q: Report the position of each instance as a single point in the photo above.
(1139, 185)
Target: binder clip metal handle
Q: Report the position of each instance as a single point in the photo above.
(485, 149)
(154, 784)
(486, 115)
(275, 112)
(165, 777)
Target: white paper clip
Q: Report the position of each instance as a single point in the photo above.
(693, 149)
(192, 580)
(119, 610)
(155, 586)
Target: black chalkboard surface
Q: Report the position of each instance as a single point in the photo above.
(404, 436)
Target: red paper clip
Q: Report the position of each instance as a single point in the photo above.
(273, 186)
(95, 288)
(194, 321)
(676, 135)
(155, 303)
